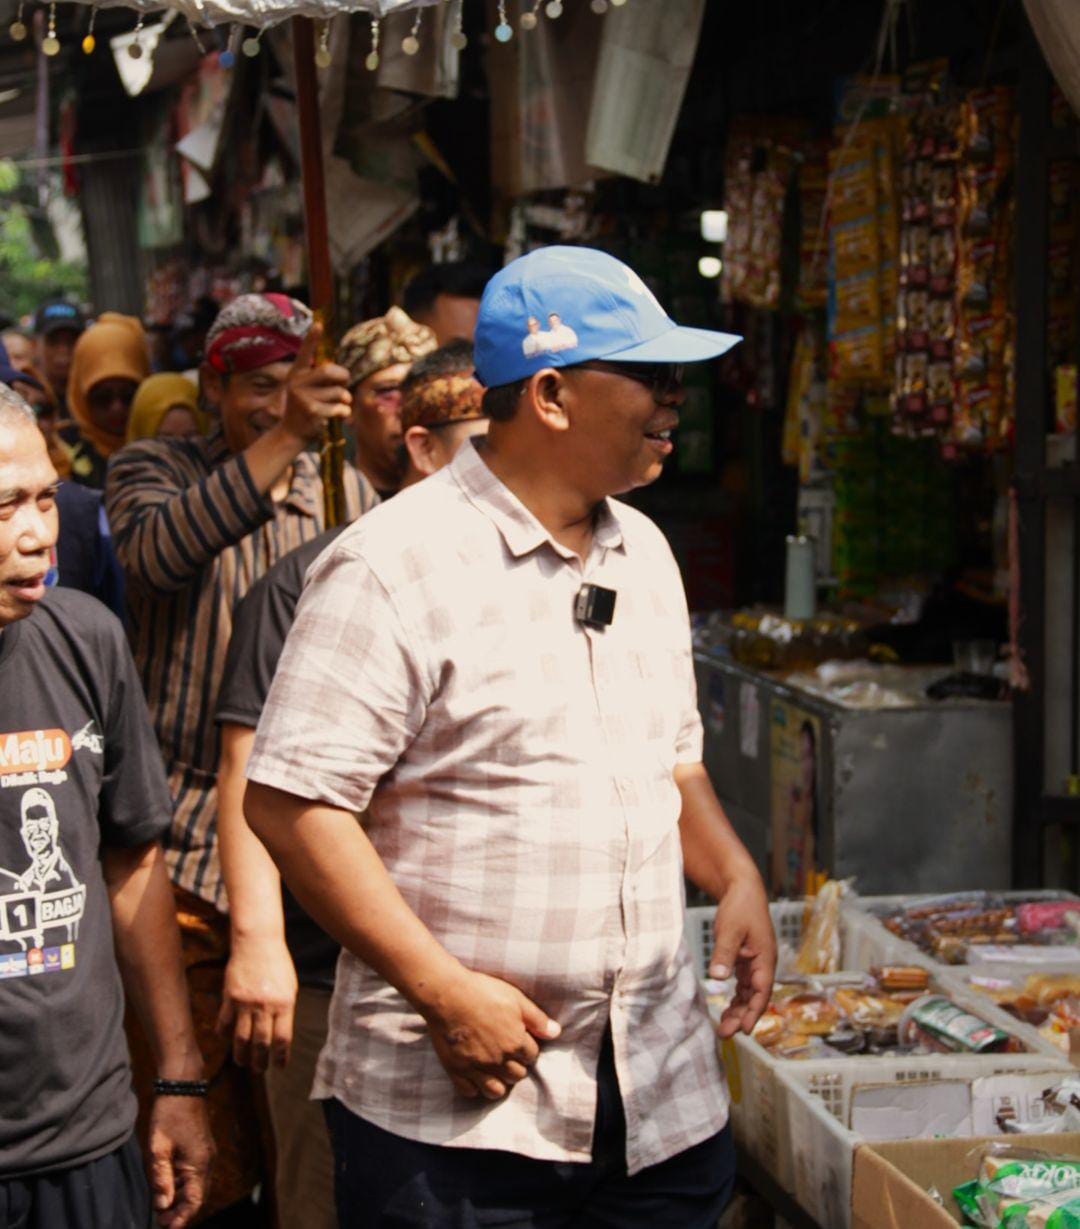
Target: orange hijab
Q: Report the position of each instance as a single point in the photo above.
(112, 348)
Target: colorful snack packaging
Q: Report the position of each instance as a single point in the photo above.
(1034, 916)
(952, 1027)
(901, 977)
(1020, 1188)
(1058, 1211)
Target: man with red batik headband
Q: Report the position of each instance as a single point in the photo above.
(196, 522)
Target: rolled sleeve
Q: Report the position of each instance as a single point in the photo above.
(349, 695)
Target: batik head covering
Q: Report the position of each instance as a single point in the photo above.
(441, 399)
(383, 342)
(112, 348)
(255, 330)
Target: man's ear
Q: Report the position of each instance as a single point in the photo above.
(211, 385)
(547, 395)
(420, 444)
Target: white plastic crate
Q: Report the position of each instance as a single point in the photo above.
(758, 1112)
(863, 918)
(815, 1102)
(860, 947)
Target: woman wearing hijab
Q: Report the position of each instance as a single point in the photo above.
(166, 404)
(111, 360)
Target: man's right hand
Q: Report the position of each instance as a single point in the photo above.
(485, 1032)
(315, 392)
(258, 1000)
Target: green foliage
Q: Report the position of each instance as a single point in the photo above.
(28, 273)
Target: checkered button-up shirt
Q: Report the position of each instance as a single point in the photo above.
(518, 771)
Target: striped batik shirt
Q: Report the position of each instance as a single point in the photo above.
(517, 769)
(193, 535)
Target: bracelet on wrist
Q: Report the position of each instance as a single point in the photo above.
(181, 1088)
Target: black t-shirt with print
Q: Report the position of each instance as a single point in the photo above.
(80, 770)
(260, 625)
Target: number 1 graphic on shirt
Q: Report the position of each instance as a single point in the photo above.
(46, 895)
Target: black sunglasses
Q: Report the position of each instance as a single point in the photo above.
(663, 379)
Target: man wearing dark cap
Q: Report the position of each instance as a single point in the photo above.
(196, 522)
(57, 327)
(497, 668)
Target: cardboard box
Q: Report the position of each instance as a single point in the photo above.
(891, 1180)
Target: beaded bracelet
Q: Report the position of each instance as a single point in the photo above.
(181, 1088)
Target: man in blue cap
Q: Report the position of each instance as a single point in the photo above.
(496, 668)
(58, 325)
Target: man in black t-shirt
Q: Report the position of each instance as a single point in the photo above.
(84, 897)
(276, 947)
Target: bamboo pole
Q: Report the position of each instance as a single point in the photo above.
(320, 273)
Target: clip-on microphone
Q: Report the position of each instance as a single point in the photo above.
(595, 606)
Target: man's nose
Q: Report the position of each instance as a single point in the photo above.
(39, 530)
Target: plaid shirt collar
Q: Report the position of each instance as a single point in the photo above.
(520, 530)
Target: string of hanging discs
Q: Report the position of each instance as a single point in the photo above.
(250, 45)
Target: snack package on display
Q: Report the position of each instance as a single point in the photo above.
(819, 951)
(1022, 1188)
(984, 226)
(943, 1025)
(951, 927)
(858, 1014)
(923, 391)
(762, 162)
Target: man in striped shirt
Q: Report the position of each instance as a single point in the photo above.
(196, 522)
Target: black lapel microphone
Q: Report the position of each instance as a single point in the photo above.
(595, 606)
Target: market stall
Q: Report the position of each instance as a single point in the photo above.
(879, 1069)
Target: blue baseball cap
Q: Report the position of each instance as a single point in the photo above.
(558, 306)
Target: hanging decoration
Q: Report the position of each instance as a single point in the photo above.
(458, 38)
(256, 16)
(504, 32)
(136, 48)
(372, 61)
(50, 44)
(410, 44)
(89, 41)
(322, 53)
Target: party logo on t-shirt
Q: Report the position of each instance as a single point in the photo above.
(34, 757)
(40, 901)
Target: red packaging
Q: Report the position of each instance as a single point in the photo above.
(1044, 915)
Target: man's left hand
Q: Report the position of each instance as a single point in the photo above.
(181, 1151)
(744, 946)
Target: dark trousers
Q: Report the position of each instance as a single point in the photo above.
(109, 1193)
(382, 1181)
